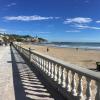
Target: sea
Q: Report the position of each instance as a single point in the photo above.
(80, 45)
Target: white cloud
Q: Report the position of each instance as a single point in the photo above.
(11, 4)
(72, 31)
(79, 26)
(27, 18)
(79, 20)
(98, 21)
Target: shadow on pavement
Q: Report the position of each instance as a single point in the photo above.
(28, 83)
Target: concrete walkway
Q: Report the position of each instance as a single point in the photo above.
(18, 81)
(6, 77)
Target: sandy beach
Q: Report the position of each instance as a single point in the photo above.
(80, 57)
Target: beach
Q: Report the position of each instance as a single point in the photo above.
(80, 57)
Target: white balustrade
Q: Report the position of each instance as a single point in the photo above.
(80, 82)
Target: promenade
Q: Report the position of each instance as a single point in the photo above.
(19, 81)
(6, 76)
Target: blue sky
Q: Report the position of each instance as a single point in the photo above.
(55, 20)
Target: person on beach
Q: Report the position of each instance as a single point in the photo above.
(77, 49)
(47, 49)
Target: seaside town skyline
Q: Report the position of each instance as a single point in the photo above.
(63, 20)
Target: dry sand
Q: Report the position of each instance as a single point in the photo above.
(80, 57)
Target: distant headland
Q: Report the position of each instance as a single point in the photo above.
(4, 37)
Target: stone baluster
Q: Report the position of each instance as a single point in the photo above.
(66, 80)
(35, 58)
(88, 88)
(61, 72)
(81, 95)
(49, 65)
(63, 77)
(97, 90)
(52, 70)
(92, 89)
(37, 61)
(73, 81)
(55, 72)
(44, 65)
(40, 62)
(69, 81)
(59, 75)
(75, 84)
(79, 86)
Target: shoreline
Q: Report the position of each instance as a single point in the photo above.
(68, 47)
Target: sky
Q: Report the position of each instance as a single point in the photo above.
(54, 20)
